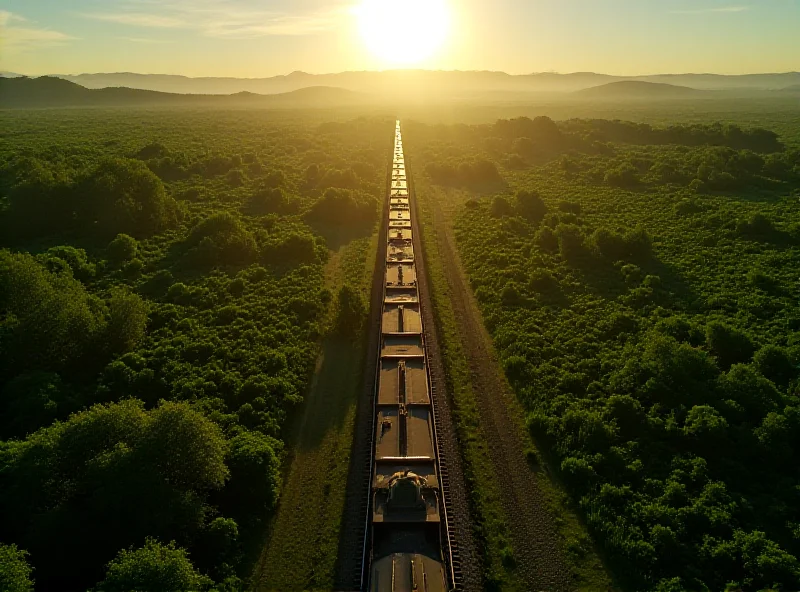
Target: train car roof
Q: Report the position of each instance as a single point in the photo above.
(401, 572)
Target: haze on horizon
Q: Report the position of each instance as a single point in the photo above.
(258, 38)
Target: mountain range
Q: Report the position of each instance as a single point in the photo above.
(368, 88)
(426, 81)
(48, 91)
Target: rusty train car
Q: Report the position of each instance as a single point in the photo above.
(408, 546)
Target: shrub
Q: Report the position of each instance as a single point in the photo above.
(124, 196)
(222, 238)
(530, 206)
(570, 241)
(501, 207)
(153, 567)
(730, 346)
(15, 573)
(122, 249)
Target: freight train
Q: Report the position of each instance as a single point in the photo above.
(407, 524)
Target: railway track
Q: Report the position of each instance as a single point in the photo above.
(540, 563)
(465, 557)
(432, 542)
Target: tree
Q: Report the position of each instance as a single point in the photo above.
(530, 206)
(105, 479)
(271, 200)
(730, 346)
(254, 461)
(123, 195)
(154, 567)
(15, 573)
(122, 249)
(775, 364)
(351, 311)
(222, 239)
(126, 321)
(344, 209)
(570, 241)
(50, 318)
(501, 207)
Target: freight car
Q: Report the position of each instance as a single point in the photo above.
(408, 549)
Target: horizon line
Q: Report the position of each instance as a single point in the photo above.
(388, 70)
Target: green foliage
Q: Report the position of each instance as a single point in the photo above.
(124, 196)
(351, 312)
(195, 327)
(530, 206)
(153, 568)
(343, 208)
(125, 322)
(651, 336)
(570, 241)
(477, 173)
(106, 478)
(254, 462)
(729, 345)
(122, 249)
(271, 200)
(49, 320)
(15, 573)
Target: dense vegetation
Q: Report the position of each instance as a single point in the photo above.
(640, 285)
(162, 300)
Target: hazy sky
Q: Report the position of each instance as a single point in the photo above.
(266, 37)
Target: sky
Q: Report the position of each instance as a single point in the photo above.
(259, 38)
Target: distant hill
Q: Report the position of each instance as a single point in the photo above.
(427, 82)
(48, 91)
(635, 89)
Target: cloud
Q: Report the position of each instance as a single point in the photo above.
(145, 40)
(16, 39)
(720, 9)
(138, 19)
(232, 19)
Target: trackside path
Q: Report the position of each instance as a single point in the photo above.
(539, 563)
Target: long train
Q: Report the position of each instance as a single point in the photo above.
(408, 546)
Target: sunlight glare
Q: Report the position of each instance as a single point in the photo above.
(403, 33)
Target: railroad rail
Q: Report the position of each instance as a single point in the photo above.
(407, 536)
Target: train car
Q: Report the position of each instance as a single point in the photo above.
(408, 529)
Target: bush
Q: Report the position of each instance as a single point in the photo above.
(153, 567)
(122, 249)
(570, 241)
(530, 206)
(501, 207)
(124, 196)
(341, 208)
(254, 461)
(625, 175)
(50, 319)
(15, 573)
(730, 346)
(271, 200)
(775, 364)
(351, 312)
(222, 239)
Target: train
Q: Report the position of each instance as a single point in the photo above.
(407, 523)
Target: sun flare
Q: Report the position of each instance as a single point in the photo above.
(403, 33)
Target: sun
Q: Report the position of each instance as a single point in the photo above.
(403, 32)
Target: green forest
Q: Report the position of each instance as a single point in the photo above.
(640, 285)
(162, 302)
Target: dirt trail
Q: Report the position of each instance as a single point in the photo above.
(534, 538)
(460, 520)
